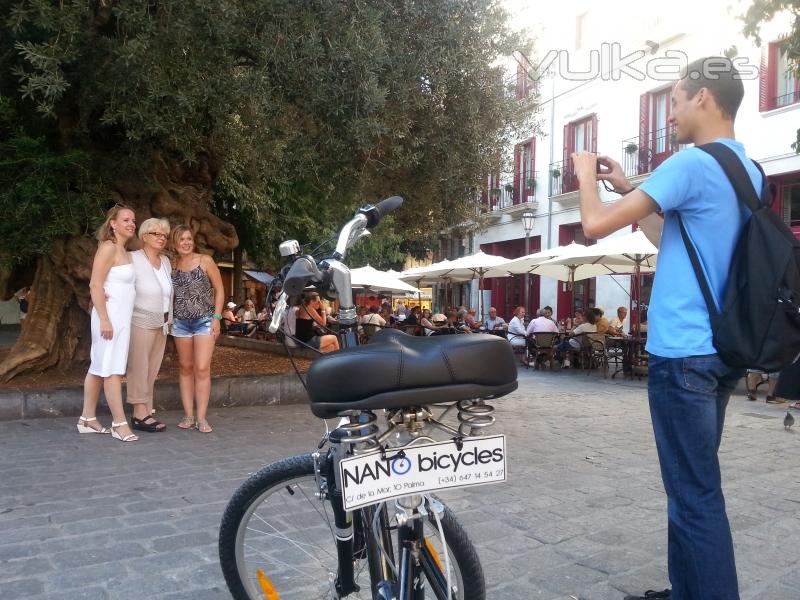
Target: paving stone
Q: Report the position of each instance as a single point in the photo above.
(583, 512)
(20, 588)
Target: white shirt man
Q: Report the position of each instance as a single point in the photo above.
(494, 322)
(542, 324)
(618, 322)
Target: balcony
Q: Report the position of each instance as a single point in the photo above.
(640, 158)
(513, 196)
(562, 178)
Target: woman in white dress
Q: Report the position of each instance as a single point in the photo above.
(112, 289)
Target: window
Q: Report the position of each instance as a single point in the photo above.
(779, 85)
(524, 173)
(656, 142)
(789, 195)
(578, 135)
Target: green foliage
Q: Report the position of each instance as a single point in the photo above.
(301, 108)
(43, 195)
(380, 250)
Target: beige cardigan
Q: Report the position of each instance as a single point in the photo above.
(147, 307)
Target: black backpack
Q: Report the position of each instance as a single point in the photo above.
(759, 324)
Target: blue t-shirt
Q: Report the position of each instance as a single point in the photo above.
(691, 183)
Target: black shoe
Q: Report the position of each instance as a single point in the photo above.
(147, 424)
(652, 595)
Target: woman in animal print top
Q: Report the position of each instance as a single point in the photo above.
(198, 303)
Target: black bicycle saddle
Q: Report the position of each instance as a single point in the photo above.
(397, 370)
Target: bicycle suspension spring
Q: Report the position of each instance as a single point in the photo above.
(474, 415)
(362, 429)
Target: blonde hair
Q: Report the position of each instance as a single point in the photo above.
(153, 224)
(176, 234)
(105, 232)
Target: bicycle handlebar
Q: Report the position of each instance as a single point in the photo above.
(305, 270)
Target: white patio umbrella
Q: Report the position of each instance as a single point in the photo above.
(529, 262)
(632, 253)
(369, 277)
(472, 266)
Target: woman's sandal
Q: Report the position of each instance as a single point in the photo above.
(85, 427)
(203, 426)
(186, 423)
(128, 438)
(149, 423)
(775, 400)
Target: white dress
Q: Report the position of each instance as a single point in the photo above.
(110, 357)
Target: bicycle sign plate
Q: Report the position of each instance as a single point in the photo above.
(370, 478)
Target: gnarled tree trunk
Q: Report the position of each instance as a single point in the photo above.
(56, 330)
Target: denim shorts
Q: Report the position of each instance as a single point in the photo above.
(191, 327)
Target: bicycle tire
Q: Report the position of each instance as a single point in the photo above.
(299, 470)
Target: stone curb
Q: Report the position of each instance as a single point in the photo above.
(250, 390)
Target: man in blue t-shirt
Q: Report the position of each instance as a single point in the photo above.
(689, 386)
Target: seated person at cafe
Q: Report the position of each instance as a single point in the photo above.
(460, 322)
(471, 322)
(439, 325)
(516, 328)
(572, 343)
(548, 312)
(247, 317)
(373, 318)
(494, 322)
(600, 321)
(231, 321)
(413, 316)
(426, 321)
(617, 324)
(541, 324)
(309, 314)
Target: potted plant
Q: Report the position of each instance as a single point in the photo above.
(531, 183)
(496, 192)
(556, 173)
(673, 140)
(510, 188)
(631, 148)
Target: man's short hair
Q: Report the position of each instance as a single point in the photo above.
(541, 312)
(720, 77)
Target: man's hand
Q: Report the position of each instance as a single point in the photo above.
(613, 174)
(585, 165)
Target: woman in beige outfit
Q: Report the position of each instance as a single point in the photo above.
(152, 315)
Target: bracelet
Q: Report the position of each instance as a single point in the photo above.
(216, 316)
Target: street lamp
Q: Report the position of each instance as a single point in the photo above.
(527, 225)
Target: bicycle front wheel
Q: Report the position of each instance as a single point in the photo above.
(276, 541)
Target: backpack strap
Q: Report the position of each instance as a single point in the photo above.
(713, 312)
(746, 193)
(736, 173)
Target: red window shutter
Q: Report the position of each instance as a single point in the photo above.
(644, 133)
(520, 82)
(567, 142)
(517, 164)
(764, 79)
(594, 133)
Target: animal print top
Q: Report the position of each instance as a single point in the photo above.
(194, 296)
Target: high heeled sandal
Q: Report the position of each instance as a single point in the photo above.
(128, 438)
(203, 426)
(186, 423)
(87, 429)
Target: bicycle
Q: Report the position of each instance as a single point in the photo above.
(357, 518)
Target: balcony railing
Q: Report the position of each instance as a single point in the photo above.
(511, 192)
(642, 156)
(786, 99)
(562, 177)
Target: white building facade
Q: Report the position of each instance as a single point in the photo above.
(598, 96)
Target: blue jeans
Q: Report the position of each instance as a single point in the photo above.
(688, 397)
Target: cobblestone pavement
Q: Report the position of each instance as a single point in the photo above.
(583, 515)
